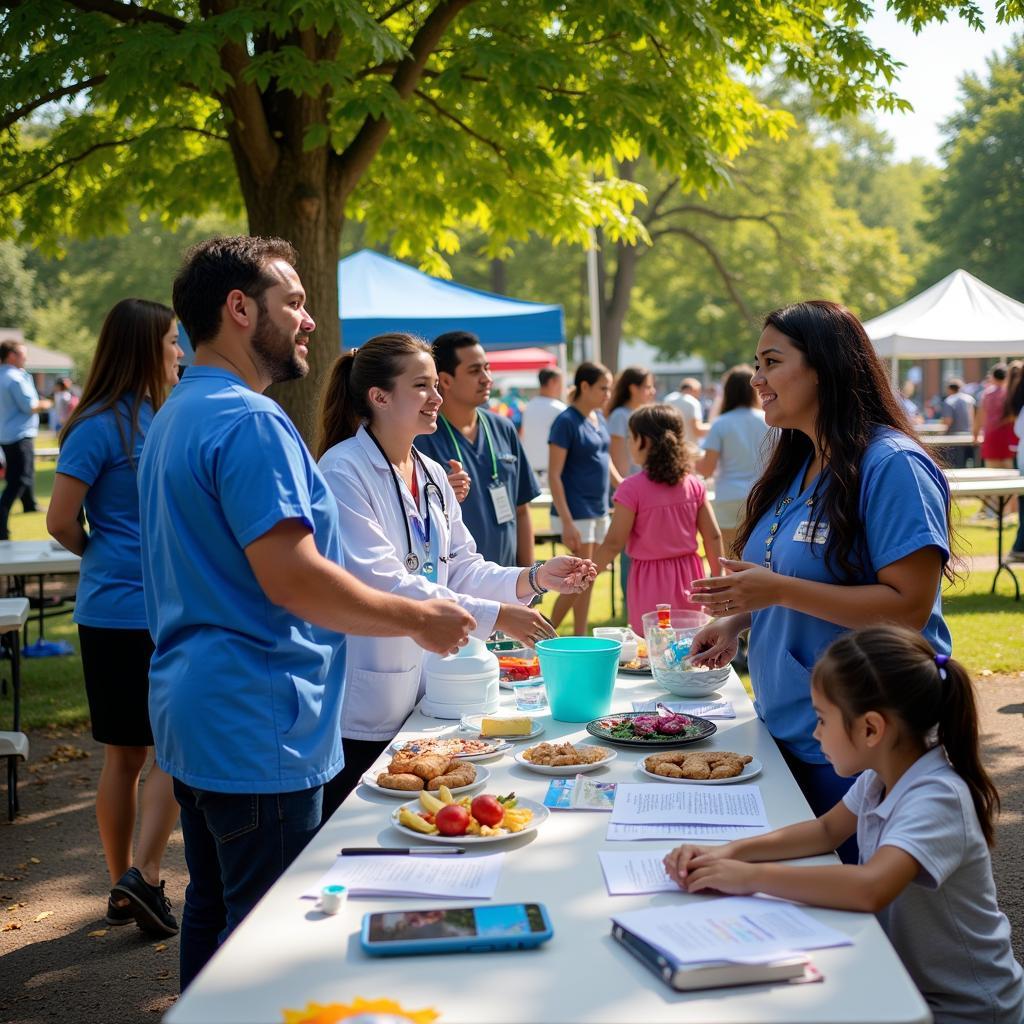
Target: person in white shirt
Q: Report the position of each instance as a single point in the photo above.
(540, 412)
(402, 532)
(687, 401)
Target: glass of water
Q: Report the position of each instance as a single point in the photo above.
(530, 695)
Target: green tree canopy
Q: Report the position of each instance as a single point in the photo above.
(976, 208)
(413, 116)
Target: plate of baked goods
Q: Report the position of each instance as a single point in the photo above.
(426, 772)
(642, 729)
(462, 821)
(514, 728)
(700, 767)
(564, 758)
(464, 747)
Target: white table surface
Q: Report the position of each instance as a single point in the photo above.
(286, 954)
(35, 557)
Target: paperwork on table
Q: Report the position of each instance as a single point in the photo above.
(657, 804)
(700, 709)
(629, 872)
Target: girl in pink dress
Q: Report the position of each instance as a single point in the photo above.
(658, 514)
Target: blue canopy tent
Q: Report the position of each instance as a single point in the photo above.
(380, 294)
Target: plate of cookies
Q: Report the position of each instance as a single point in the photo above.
(703, 767)
(410, 772)
(467, 749)
(564, 758)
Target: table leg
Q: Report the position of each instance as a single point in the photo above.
(1001, 564)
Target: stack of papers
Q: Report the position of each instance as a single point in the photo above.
(700, 709)
(443, 876)
(629, 873)
(656, 811)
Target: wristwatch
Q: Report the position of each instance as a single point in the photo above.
(534, 585)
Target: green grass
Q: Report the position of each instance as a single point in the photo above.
(986, 628)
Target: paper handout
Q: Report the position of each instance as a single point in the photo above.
(743, 929)
(683, 833)
(700, 709)
(629, 871)
(658, 804)
(443, 876)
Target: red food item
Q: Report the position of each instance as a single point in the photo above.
(487, 810)
(452, 820)
(670, 726)
(644, 725)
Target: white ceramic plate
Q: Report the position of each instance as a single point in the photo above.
(471, 724)
(370, 781)
(564, 770)
(540, 815)
(750, 771)
(496, 747)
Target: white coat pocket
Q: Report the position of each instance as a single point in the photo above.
(377, 703)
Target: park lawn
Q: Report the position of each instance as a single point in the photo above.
(986, 628)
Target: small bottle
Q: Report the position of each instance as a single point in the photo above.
(664, 615)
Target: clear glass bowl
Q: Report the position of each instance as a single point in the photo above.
(666, 648)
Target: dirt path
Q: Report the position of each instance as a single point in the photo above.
(59, 961)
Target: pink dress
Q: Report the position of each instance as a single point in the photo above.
(662, 544)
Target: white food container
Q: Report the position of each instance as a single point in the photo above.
(461, 684)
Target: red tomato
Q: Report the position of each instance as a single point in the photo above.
(452, 820)
(487, 810)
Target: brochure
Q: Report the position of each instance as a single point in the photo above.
(580, 794)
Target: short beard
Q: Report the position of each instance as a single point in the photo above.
(274, 352)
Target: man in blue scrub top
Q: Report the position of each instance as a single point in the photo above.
(496, 510)
(244, 597)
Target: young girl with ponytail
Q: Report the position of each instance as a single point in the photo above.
(923, 810)
(658, 516)
(402, 532)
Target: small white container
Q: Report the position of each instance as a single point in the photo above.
(460, 684)
(332, 897)
(629, 640)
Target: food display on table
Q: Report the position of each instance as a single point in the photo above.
(454, 746)
(640, 729)
(564, 758)
(697, 765)
(410, 770)
(517, 670)
(485, 818)
(502, 727)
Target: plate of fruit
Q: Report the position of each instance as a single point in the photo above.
(461, 821)
(642, 729)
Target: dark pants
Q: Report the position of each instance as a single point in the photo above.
(236, 846)
(20, 458)
(822, 789)
(359, 755)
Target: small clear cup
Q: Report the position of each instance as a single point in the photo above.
(530, 695)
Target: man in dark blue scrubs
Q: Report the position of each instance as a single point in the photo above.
(502, 485)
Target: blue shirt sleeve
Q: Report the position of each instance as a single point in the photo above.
(562, 432)
(87, 449)
(261, 477)
(903, 506)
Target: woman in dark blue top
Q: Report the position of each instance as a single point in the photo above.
(135, 365)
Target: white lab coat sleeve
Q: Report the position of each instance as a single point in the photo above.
(372, 557)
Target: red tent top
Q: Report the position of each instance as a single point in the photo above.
(521, 359)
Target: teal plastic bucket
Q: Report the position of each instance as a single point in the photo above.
(579, 676)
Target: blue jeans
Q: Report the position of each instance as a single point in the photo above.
(822, 789)
(236, 846)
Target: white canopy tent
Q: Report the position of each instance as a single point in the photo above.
(958, 317)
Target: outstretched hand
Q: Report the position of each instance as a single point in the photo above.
(747, 587)
(567, 574)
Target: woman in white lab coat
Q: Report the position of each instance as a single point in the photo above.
(402, 531)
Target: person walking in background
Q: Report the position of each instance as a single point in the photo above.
(906, 397)
(134, 368)
(734, 451)
(540, 412)
(245, 598)
(958, 417)
(992, 424)
(659, 513)
(579, 474)
(687, 401)
(633, 388)
(1015, 413)
(904, 720)
(483, 449)
(20, 406)
(64, 401)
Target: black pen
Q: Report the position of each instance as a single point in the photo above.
(378, 851)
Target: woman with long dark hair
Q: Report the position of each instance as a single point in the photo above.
(402, 531)
(134, 368)
(847, 527)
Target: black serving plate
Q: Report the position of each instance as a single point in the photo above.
(657, 740)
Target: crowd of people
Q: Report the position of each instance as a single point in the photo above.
(259, 616)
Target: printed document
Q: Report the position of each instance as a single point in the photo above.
(629, 872)
(447, 876)
(700, 709)
(683, 833)
(658, 804)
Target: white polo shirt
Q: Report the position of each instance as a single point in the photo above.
(946, 925)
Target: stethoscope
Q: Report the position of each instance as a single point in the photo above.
(412, 560)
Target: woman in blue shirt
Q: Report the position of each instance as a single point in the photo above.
(848, 526)
(135, 365)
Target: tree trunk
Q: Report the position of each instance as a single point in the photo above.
(499, 277)
(615, 310)
(302, 204)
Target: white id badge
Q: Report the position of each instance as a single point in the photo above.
(805, 530)
(503, 511)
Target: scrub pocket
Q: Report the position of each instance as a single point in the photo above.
(377, 703)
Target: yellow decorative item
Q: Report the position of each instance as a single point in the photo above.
(506, 727)
(334, 1013)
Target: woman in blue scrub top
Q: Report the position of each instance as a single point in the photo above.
(848, 526)
(135, 366)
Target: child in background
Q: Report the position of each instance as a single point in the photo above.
(923, 811)
(658, 514)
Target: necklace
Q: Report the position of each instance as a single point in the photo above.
(231, 363)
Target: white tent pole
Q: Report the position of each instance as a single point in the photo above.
(593, 288)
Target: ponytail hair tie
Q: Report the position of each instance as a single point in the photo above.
(940, 661)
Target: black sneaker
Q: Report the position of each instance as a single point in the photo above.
(149, 905)
(119, 915)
